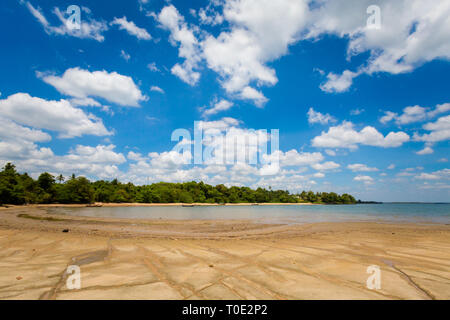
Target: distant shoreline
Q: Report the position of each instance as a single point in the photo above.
(100, 204)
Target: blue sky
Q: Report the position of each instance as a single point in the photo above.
(359, 110)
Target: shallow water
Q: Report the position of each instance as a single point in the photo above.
(388, 212)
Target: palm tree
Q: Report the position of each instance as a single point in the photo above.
(60, 178)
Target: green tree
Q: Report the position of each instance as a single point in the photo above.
(60, 178)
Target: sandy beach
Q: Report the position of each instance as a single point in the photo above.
(218, 259)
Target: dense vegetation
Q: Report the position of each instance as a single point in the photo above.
(16, 188)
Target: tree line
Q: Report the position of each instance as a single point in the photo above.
(16, 188)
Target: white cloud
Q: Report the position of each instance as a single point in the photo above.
(84, 102)
(317, 117)
(135, 156)
(209, 15)
(11, 131)
(294, 158)
(100, 154)
(125, 55)
(219, 106)
(319, 175)
(153, 67)
(58, 116)
(249, 93)
(366, 179)
(255, 38)
(424, 151)
(94, 162)
(358, 167)
(338, 83)
(113, 87)
(181, 34)
(186, 74)
(440, 108)
(428, 176)
(295, 183)
(345, 136)
(89, 28)
(142, 4)
(397, 47)
(222, 124)
(330, 165)
(415, 114)
(157, 89)
(388, 116)
(411, 114)
(131, 28)
(356, 112)
(440, 131)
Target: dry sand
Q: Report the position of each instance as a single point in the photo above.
(230, 259)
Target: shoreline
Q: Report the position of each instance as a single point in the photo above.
(136, 204)
(37, 217)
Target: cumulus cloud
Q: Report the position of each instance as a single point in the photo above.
(11, 131)
(255, 38)
(294, 158)
(319, 175)
(356, 112)
(100, 154)
(89, 28)
(210, 15)
(131, 28)
(125, 55)
(182, 35)
(84, 102)
(439, 131)
(317, 117)
(222, 124)
(59, 116)
(428, 176)
(219, 106)
(366, 179)
(157, 89)
(395, 48)
(227, 158)
(153, 67)
(413, 32)
(358, 167)
(338, 83)
(111, 86)
(249, 93)
(330, 165)
(345, 136)
(414, 114)
(424, 151)
(388, 116)
(440, 108)
(94, 162)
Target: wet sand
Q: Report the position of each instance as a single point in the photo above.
(229, 259)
